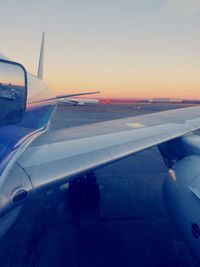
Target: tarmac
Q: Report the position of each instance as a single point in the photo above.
(129, 227)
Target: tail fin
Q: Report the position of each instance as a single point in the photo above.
(41, 60)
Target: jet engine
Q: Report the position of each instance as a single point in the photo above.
(181, 192)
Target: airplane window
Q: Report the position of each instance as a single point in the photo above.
(12, 92)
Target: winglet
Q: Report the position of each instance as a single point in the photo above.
(41, 60)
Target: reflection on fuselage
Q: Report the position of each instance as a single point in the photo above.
(12, 92)
(11, 102)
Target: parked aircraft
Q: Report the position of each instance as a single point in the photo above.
(78, 101)
(34, 160)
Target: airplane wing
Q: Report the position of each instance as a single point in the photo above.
(61, 155)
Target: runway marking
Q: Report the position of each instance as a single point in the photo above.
(135, 125)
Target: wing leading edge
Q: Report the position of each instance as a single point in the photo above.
(59, 156)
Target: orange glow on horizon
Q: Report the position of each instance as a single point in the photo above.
(139, 79)
(137, 85)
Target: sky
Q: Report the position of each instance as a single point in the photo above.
(124, 48)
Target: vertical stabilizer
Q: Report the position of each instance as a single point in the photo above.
(41, 60)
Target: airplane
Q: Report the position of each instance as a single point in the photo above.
(79, 101)
(34, 159)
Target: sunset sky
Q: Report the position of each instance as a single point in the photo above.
(124, 48)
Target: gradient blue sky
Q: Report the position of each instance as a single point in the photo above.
(123, 48)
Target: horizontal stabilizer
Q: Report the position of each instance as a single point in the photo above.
(66, 96)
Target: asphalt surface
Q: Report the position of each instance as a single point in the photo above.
(129, 227)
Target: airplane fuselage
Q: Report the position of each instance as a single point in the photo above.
(35, 121)
(14, 139)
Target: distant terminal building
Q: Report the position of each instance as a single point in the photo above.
(121, 100)
(165, 100)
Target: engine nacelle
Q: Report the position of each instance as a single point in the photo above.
(181, 192)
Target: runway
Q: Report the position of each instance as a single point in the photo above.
(130, 226)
